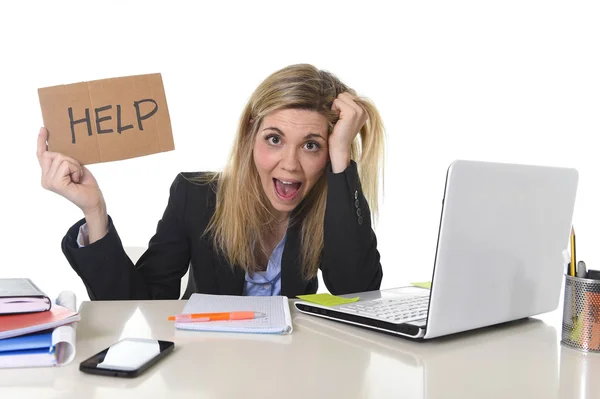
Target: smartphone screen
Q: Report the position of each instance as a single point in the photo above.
(127, 358)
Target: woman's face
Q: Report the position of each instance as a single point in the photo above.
(290, 154)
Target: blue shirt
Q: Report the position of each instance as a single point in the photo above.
(267, 283)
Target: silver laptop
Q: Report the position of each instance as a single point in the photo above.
(499, 255)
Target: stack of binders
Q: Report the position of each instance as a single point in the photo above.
(34, 332)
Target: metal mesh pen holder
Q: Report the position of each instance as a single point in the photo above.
(581, 314)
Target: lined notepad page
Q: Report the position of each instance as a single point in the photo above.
(277, 309)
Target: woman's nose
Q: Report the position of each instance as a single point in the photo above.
(290, 161)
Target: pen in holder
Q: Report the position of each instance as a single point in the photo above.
(581, 314)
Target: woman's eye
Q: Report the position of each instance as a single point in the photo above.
(312, 146)
(273, 140)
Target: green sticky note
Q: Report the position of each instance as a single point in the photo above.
(327, 299)
(425, 284)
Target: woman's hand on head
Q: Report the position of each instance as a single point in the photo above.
(68, 178)
(352, 118)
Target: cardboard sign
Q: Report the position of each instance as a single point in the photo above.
(109, 119)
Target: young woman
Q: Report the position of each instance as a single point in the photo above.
(289, 202)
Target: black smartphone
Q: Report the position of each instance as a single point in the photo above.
(129, 357)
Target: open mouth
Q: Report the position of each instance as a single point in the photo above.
(287, 189)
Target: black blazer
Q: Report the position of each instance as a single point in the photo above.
(349, 262)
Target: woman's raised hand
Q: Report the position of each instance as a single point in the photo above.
(352, 117)
(68, 178)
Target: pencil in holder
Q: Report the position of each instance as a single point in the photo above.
(581, 314)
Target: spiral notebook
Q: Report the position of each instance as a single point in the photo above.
(278, 319)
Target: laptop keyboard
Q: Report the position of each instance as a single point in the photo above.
(397, 310)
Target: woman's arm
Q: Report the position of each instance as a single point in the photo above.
(350, 260)
(107, 271)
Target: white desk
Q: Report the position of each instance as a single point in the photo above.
(320, 359)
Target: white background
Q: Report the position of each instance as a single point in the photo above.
(515, 81)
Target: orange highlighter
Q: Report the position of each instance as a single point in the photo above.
(198, 317)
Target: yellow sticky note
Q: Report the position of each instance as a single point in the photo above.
(425, 284)
(327, 299)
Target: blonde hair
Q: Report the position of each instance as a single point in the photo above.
(243, 211)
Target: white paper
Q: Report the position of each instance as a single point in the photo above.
(63, 337)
